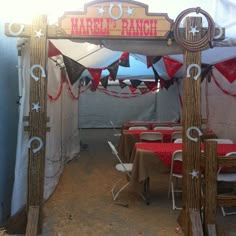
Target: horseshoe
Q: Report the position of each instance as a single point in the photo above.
(15, 33)
(193, 128)
(42, 70)
(39, 141)
(198, 73)
(110, 11)
(220, 33)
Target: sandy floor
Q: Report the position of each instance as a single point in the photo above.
(82, 203)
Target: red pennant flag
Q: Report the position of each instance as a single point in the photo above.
(124, 60)
(227, 69)
(151, 85)
(52, 50)
(96, 74)
(172, 66)
(132, 89)
(148, 61)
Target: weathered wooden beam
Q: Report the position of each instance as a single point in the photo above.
(32, 221)
(210, 183)
(37, 120)
(55, 32)
(196, 222)
(191, 118)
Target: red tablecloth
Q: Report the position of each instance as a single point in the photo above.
(164, 151)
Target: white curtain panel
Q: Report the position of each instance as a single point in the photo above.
(62, 140)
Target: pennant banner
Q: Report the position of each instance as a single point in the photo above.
(113, 69)
(172, 66)
(227, 69)
(73, 68)
(135, 83)
(104, 81)
(96, 74)
(124, 60)
(151, 85)
(52, 50)
(152, 60)
(122, 84)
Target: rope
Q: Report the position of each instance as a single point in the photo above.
(201, 44)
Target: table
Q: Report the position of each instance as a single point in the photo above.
(130, 137)
(147, 155)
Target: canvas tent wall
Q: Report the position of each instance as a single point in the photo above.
(62, 140)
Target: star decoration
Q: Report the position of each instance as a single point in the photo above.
(38, 34)
(194, 30)
(194, 174)
(36, 107)
(101, 11)
(130, 11)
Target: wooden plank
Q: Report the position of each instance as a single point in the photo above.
(37, 124)
(196, 222)
(55, 32)
(191, 118)
(210, 183)
(211, 230)
(32, 221)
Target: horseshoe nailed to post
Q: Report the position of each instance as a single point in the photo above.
(110, 11)
(39, 140)
(15, 33)
(32, 72)
(190, 137)
(198, 72)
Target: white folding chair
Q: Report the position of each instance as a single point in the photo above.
(174, 177)
(229, 177)
(116, 132)
(137, 127)
(176, 135)
(125, 168)
(178, 140)
(221, 140)
(151, 137)
(177, 127)
(162, 128)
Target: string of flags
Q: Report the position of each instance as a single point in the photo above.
(75, 70)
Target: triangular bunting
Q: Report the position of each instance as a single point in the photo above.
(96, 74)
(113, 69)
(206, 69)
(172, 66)
(151, 85)
(227, 69)
(132, 89)
(52, 50)
(143, 90)
(104, 81)
(156, 75)
(135, 83)
(122, 84)
(124, 60)
(152, 60)
(73, 68)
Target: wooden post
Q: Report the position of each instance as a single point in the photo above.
(191, 118)
(210, 184)
(37, 118)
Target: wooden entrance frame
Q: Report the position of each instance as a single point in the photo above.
(39, 32)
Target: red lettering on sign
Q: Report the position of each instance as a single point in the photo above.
(139, 27)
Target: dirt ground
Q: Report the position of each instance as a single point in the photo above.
(82, 203)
